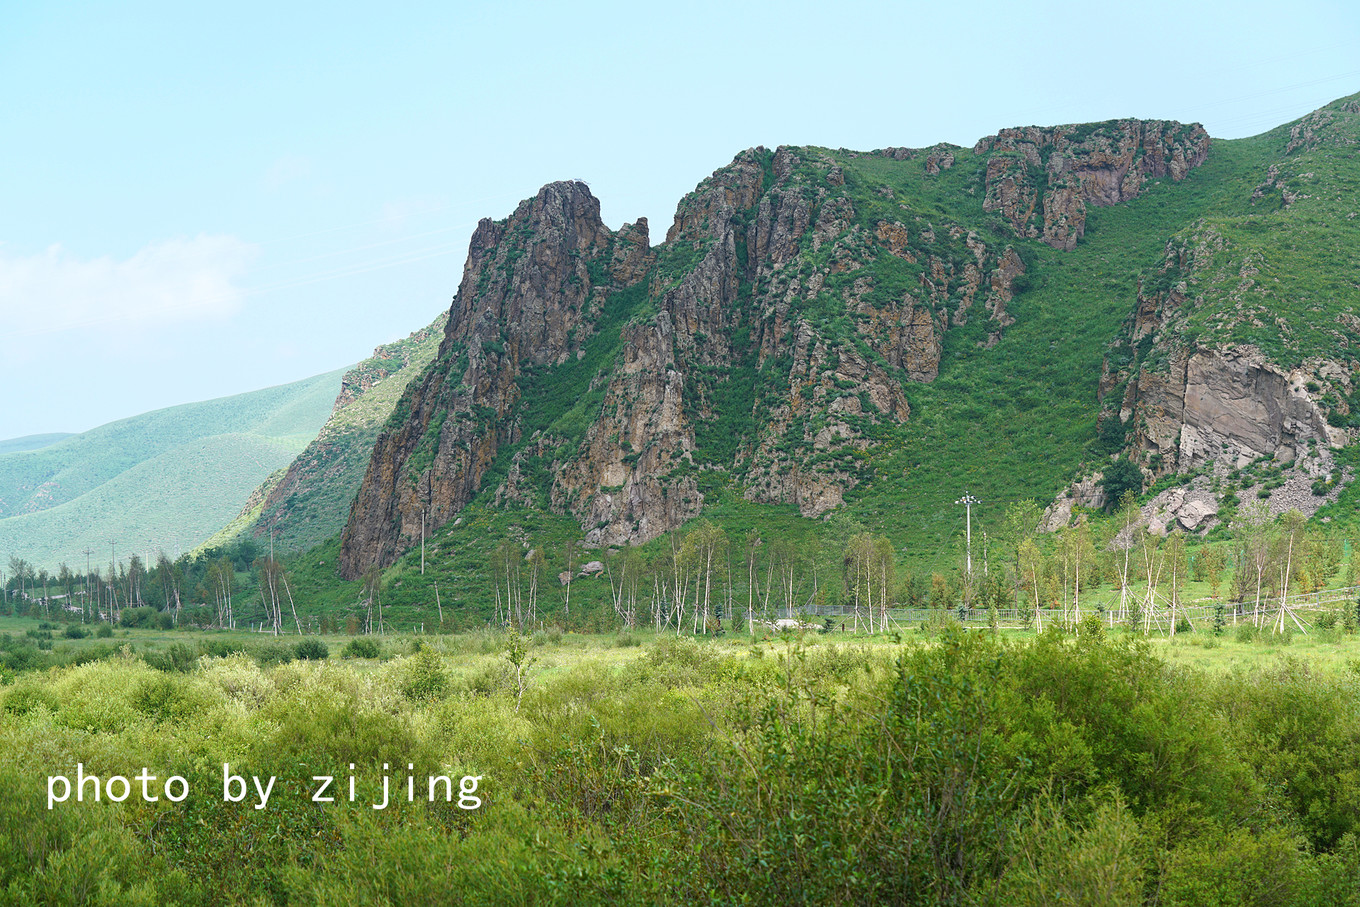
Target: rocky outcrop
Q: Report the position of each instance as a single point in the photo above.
(633, 480)
(1190, 398)
(1228, 405)
(525, 300)
(756, 256)
(766, 338)
(1040, 180)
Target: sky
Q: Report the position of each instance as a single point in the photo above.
(199, 200)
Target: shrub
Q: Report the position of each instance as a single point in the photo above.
(361, 648)
(178, 657)
(311, 650)
(104, 632)
(272, 654)
(75, 631)
(425, 678)
(1123, 475)
(138, 617)
(221, 648)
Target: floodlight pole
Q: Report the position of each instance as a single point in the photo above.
(968, 501)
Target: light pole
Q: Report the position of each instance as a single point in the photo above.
(968, 501)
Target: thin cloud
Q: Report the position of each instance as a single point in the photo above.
(172, 281)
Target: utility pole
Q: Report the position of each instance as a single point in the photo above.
(113, 572)
(968, 501)
(88, 552)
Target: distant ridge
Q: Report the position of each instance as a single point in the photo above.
(167, 479)
(32, 442)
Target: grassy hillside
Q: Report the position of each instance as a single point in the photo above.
(308, 503)
(32, 442)
(167, 479)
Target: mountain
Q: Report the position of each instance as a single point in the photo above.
(881, 331)
(307, 503)
(162, 480)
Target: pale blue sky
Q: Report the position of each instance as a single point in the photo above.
(200, 202)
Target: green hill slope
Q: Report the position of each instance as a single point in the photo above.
(308, 503)
(166, 479)
(31, 442)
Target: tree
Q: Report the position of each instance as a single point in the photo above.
(67, 580)
(1124, 540)
(1210, 561)
(1254, 552)
(1121, 477)
(1031, 565)
(1292, 524)
(1020, 524)
(1175, 570)
(753, 543)
(517, 654)
(171, 577)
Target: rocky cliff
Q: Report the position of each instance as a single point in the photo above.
(767, 344)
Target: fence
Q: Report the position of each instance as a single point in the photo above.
(1106, 607)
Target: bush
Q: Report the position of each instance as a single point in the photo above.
(1123, 475)
(75, 631)
(220, 648)
(138, 617)
(104, 632)
(178, 657)
(361, 648)
(272, 654)
(311, 650)
(426, 678)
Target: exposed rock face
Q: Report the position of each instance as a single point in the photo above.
(630, 482)
(1041, 180)
(766, 338)
(1214, 409)
(525, 291)
(1229, 405)
(1187, 405)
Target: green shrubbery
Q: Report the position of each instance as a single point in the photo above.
(361, 648)
(959, 769)
(311, 650)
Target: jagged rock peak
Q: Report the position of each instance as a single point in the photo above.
(532, 286)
